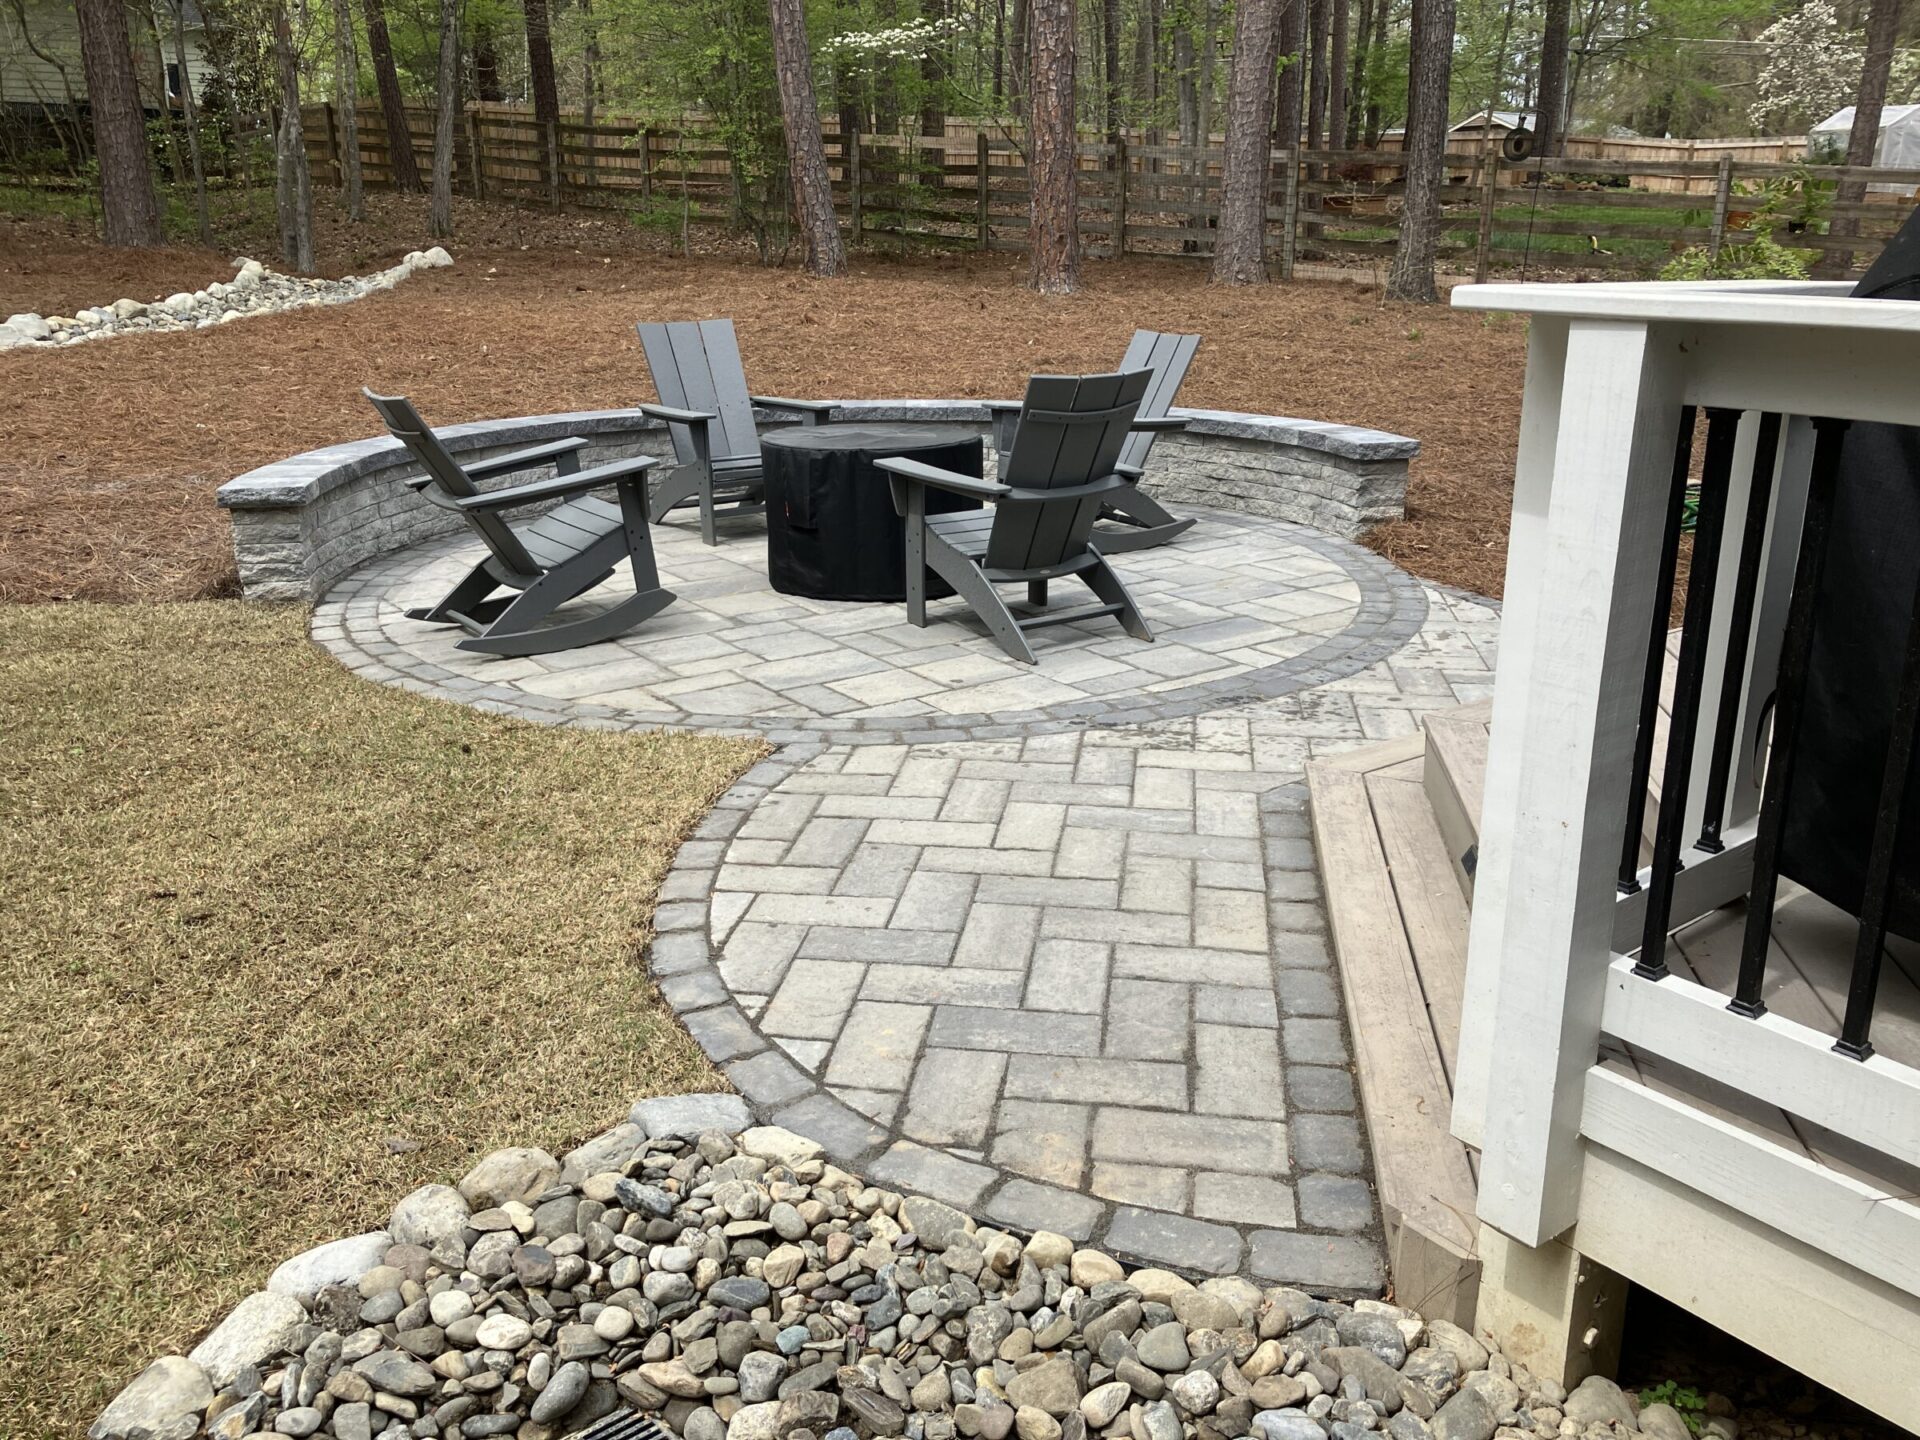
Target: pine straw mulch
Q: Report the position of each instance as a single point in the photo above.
(110, 452)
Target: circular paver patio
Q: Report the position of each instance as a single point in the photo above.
(1043, 942)
(1241, 608)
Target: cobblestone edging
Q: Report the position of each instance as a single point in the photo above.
(1391, 609)
(303, 523)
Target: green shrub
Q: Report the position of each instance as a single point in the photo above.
(1761, 258)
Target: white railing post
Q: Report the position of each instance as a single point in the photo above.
(1564, 715)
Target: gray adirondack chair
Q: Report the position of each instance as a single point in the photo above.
(1059, 471)
(1132, 519)
(704, 400)
(551, 559)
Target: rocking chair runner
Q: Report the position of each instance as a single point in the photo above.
(1058, 472)
(1132, 519)
(704, 400)
(551, 559)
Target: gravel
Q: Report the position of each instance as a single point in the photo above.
(737, 1286)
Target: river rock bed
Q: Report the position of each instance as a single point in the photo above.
(254, 290)
(730, 1282)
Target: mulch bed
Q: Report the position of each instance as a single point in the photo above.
(110, 452)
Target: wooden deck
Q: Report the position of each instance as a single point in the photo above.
(1396, 826)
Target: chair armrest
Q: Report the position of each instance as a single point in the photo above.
(1157, 422)
(1130, 472)
(919, 473)
(560, 486)
(676, 417)
(780, 402)
(553, 450)
(1105, 485)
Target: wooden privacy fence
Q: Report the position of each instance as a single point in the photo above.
(1568, 215)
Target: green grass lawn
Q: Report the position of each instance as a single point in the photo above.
(263, 918)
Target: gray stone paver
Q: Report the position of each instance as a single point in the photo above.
(1056, 957)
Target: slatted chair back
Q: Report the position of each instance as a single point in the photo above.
(1168, 357)
(696, 366)
(1072, 430)
(406, 426)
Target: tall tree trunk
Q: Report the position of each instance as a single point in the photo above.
(1110, 35)
(1017, 57)
(1378, 46)
(546, 90)
(1209, 64)
(1146, 74)
(346, 104)
(486, 65)
(1186, 92)
(1337, 74)
(1052, 164)
(1431, 65)
(1357, 75)
(1240, 245)
(1289, 114)
(1883, 23)
(403, 169)
(163, 101)
(999, 53)
(127, 205)
(293, 185)
(933, 75)
(806, 152)
(1317, 17)
(447, 98)
(192, 110)
(1550, 109)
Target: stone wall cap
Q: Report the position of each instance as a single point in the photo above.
(300, 479)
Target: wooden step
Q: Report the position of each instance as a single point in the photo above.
(1454, 776)
(1399, 926)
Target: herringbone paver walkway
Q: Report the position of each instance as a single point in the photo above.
(1071, 972)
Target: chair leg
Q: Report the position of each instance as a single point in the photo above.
(1104, 583)
(674, 489)
(1141, 523)
(588, 630)
(463, 599)
(518, 630)
(707, 535)
(1037, 593)
(980, 597)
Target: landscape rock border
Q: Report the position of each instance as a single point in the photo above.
(254, 290)
(728, 1280)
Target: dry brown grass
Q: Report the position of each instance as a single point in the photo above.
(110, 452)
(263, 916)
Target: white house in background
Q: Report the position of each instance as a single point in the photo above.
(40, 53)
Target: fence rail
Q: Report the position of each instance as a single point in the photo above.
(1578, 214)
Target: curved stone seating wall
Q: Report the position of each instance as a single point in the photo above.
(301, 524)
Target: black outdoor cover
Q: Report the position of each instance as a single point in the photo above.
(1862, 610)
(832, 533)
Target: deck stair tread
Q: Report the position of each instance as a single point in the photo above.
(1396, 913)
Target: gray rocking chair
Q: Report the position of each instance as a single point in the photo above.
(1132, 519)
(704, 400)
(550, 559)
(1058, 473)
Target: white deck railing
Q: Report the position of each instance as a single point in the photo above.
(1610, 371)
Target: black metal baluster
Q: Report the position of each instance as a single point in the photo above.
(1690, 673)
(1629, 881)
(1746, 585)
(1871, 944)
(1796, 646)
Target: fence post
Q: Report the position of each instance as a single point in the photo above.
(1483, 242)
(980, 170)
(553, 161)
(1120, 198)
(1289, 213)
(853, 182)
(1722, 201)
(646, 164)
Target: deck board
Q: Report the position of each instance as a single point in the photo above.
(1431, 909)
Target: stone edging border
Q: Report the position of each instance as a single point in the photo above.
(1392, 609)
